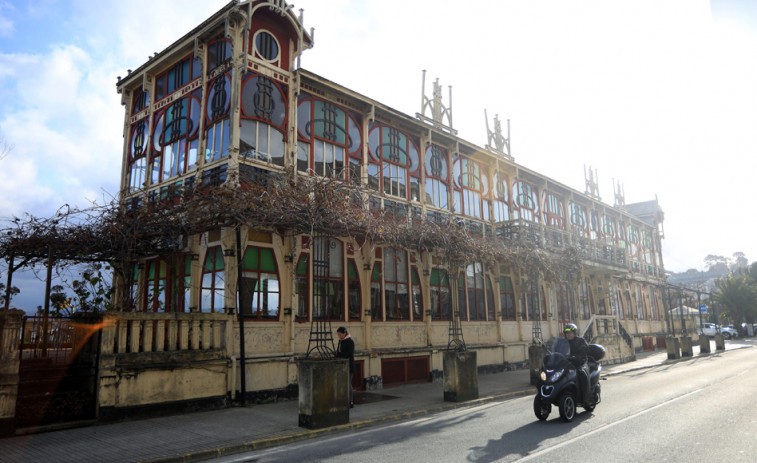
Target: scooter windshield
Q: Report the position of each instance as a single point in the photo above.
(560, 351)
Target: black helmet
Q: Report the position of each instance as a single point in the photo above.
(570, 328)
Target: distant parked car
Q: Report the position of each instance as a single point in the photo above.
(729, 332)
(711, 329)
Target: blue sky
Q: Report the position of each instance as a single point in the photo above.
(659, 95)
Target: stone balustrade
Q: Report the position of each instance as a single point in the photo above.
(131, 332)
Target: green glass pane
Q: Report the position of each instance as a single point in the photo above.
(219, 259)
(444, 280)
(135, 273)
(435, 277)
(209, 259)
(416, 280)
(187, 265)
(376, 272)
(488, 284)
(267, 261)
(250, 261)
(302, 265)
(151, 271)
(352, 270)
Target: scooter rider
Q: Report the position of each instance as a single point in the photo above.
(578, 349)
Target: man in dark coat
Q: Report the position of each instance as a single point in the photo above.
(346, 350)
(578, 352)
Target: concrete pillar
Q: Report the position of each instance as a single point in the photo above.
(719, 341)
(460, 376)
(687, 350)
(704, 344)
(674, 348)
(10, 330)
(324, 397)
(535, 360)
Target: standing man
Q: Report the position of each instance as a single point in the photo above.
(346, 350)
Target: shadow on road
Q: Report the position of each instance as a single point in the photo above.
(520, 442)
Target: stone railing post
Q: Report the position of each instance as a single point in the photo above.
(10, 328)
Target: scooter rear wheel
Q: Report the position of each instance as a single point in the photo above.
(567, 407)
(541, 408)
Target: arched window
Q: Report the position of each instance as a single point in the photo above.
(329, 139)
(334, 292)
(441, 302)
(437, 177)
(156, 285)
(175, 138)
(500, 198)
(472, 292)
(526, 198)
(608, 229)
(354, 292)
(396, 285)
(471, 184)
(138, 149)
(264, 117)
(259, 293)
(217, 118)
(213, 273)
(507, 298)
(328, 278)
(393, 162)
(554, 213)
(579, 223)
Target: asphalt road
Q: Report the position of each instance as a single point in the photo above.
(702, 409)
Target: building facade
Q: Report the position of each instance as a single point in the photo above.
(228, 102)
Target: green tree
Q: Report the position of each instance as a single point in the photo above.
(738, 298)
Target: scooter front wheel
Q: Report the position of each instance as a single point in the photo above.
(567, 407)
(541, 408)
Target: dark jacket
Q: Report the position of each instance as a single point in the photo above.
(346, 350)
(578, 349)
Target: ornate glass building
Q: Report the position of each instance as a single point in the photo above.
(229, 102)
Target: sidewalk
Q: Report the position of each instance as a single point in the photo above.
(203, 435)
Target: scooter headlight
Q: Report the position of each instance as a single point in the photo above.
(555, 376)
(543, 376)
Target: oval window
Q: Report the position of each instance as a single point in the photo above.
(266, 46)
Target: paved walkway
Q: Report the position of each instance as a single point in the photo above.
(203, 435)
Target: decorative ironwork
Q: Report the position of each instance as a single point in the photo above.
(263, 99)
(496, 142)
(592, 188)
(139, 139)
(218, 103)
(438, 111)
(321, 338)
(620, 195)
